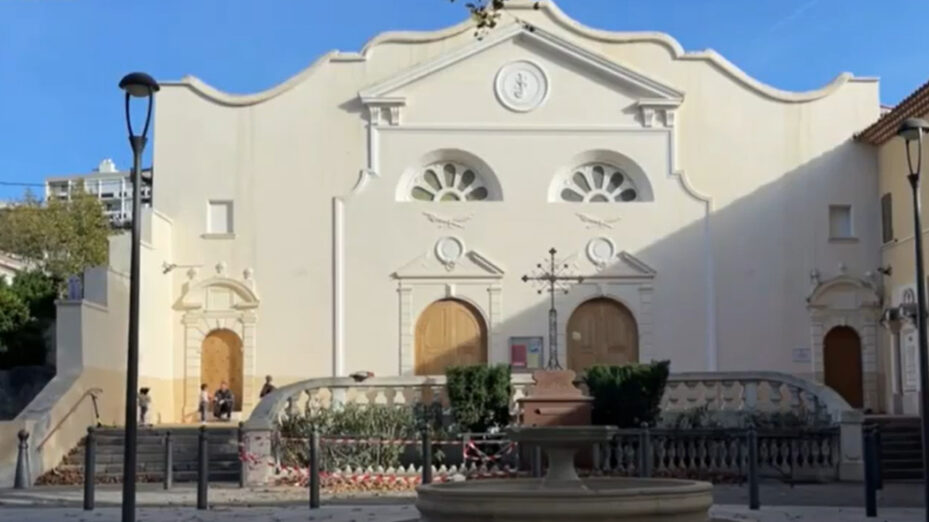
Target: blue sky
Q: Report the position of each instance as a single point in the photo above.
(60, 60)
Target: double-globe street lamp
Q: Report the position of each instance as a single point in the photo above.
(136, 85)
(912, 131)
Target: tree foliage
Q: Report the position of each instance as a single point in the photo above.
(60, 238)
(486, 14)
(27, 312)
(479, 396)
(629, 395)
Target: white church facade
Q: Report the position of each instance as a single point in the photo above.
(378, 211)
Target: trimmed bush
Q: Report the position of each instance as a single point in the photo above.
(479, 397)
(627, 396)
(370, 422)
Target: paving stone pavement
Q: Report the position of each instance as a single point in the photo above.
(408, 513)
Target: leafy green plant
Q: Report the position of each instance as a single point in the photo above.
(372, 423)
(627, 396)
(479, 397)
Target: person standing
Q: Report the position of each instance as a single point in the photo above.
(145, 402)
(204, 402)
(267, 388)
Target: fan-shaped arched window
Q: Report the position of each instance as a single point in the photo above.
(449, 181)
(598, 183)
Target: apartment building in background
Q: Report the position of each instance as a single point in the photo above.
(112, 186)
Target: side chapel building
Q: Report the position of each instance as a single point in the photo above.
(378, 210)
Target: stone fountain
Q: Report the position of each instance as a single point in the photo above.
(561, 495)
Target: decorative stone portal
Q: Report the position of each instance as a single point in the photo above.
(221, 361)
(449, 333)
(601, 331)
(219, 311)
(846, 301)
(468, 278)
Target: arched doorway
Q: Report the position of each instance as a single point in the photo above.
(449, 333)
(221, 360)
(601, 331)
(842, 364)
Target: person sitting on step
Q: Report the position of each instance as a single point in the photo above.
(223, 402)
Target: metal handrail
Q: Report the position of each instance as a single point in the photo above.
(93, 393)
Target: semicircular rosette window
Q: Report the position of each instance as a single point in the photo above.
(449, 181)
(598, 183)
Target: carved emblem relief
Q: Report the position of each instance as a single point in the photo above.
(521, 86)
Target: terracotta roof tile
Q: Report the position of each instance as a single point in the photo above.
(885, 128)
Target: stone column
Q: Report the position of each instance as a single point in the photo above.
(851, 458)
(260, 462)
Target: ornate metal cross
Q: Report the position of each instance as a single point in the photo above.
(553, 279)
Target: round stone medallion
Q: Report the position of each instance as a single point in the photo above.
(449, 250)
(601, 250)
(521, 86)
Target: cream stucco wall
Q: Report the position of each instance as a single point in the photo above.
(327, 272)
(900, 360)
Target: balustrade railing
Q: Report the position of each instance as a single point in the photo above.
(812, 454)
(721, 454)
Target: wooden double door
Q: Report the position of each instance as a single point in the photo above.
(221, 361)
(449, 333)
(601, 331)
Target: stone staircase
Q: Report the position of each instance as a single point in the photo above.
(222, 451)
(901, 447)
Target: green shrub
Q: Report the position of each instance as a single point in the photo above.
(371, 421)
(627, 396)
(479, 397)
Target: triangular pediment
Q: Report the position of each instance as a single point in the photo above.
(613, 266)
(469, 265)
(647, 90)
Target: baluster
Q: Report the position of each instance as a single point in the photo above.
(671, 400)
(337, 398)
(715, 395)
(658, 444)
(397, 398)
(729, 396)
(749, 396)
(776, 396)
(692, 395)
(796, 405)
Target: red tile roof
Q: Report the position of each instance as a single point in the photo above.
(885, 128)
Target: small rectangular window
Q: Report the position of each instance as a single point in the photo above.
(840, 222)
(887, 220)
(219, 219)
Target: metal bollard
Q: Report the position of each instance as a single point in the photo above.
(754, 503)
(90, 468)
(22, 480)
(314, 469)
(203, 469)
(870, 492)
(645, 451)
(878, 450)
(241, 450)
(537, 461)
(427, 457)
(169, 461)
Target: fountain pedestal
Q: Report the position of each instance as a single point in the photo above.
(561, 496)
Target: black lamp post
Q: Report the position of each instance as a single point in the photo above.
(136, 85)
(912, 132)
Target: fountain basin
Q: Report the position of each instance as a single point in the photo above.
(591, 499)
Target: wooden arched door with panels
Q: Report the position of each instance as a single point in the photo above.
(221, 360)
(842, 367)
(601, 331)
(449, 333)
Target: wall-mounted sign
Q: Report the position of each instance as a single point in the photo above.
(801, 355)
(525, 352)
(909, 347)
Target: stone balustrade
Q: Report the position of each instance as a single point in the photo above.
(715, 391)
